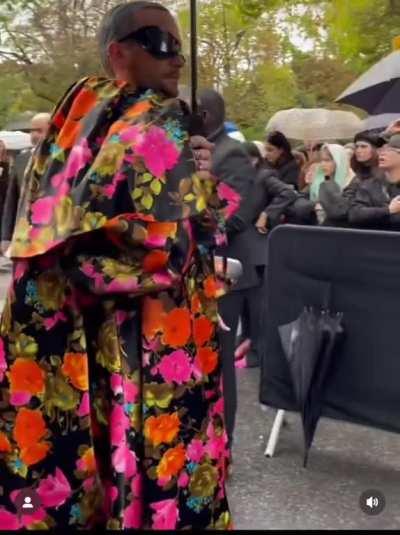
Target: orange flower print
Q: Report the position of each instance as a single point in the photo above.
(172, 462)
(138, 109)
(85, 101)
(153, 317)
(26, 376)
(68, 134)
(75, 367)
(35, 453)
(5, 445)
(210, 287)
(196, 304)
(206, 360)
(162, 429)
(155, 261)
(87, 462)
(177, 327)
(29, 427)
(165, 230)
(203, 329)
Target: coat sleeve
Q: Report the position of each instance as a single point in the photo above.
(333, 201)
(9, 211)
(280, 196)
(364, 213)
(236, 172)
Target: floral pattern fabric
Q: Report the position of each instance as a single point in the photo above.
(111, 406)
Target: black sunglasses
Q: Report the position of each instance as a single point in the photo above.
(160, 44)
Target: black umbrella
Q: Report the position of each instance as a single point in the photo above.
(309, 343)
(377, 90)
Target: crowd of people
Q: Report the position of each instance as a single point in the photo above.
(119, 336)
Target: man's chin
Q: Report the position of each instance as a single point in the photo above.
(171, 88)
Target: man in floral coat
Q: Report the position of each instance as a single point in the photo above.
(110, 404)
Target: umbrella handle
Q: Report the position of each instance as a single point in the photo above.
(196, 122)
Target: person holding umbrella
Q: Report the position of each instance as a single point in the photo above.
(112, 410)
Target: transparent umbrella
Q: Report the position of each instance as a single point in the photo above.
(315, 124)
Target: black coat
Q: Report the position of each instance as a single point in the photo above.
(232, 165)
(370, 207)
(288, 172)
(337, 203)
(8, 215)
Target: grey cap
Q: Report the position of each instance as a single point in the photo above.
(394, 141)
(118, 22)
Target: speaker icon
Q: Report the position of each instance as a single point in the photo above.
(372, 502)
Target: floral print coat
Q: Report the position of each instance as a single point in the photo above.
(110, 401)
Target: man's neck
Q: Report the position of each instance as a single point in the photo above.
(394, 175)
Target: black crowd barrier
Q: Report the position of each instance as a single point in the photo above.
(350, 271)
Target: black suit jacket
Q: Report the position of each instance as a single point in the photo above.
(15, 182)
(232, 165)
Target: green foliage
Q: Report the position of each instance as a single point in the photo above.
(250, 50)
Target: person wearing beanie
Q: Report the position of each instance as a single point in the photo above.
(377, 201)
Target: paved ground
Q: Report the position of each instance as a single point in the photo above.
(279, 494)
(345, 461)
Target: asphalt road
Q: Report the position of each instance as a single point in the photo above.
(279, 493)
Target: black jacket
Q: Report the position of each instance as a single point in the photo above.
(337, 203)
(8, 215)
(288, 172)
(370, 207)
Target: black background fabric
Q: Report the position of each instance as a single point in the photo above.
(357, 273)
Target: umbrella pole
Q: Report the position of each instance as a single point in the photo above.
(193, 54)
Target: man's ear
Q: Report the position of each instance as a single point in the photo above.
(115, 53)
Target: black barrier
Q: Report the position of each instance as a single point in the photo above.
(350, 271)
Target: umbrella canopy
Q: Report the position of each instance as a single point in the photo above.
(315, 124)
(15, 140)
(377, 90)
(309, 343)
(379, 122)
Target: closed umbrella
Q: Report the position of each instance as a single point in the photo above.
(315, 124)
(309, 344)
(377, 90)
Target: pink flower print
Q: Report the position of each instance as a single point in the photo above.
(37, 516)
(137, 485)
(123, 286)
(3, 363)
(164, 279)
(20, 398)
(110, 495)
(119, 423)
(228, 194)
(131, 391)
(110, 189)
(131, 135)
(88, 484)
(166, 515)
(217, 445)
(57, 180)
(124, 461)
(133, 515)
(79, 157)
(21, 267)
(155, 241)
(49, 323)
(54, 490)
(218, 408)
(116, 383)
(183, 480)
(84, 407)
(42, 211)
(8, 521)
(195, 451)
(176, 367)
(159, 153)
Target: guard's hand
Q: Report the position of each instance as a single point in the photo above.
(394, 206)
(261, 224)
(393, 128)
(202, 151)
